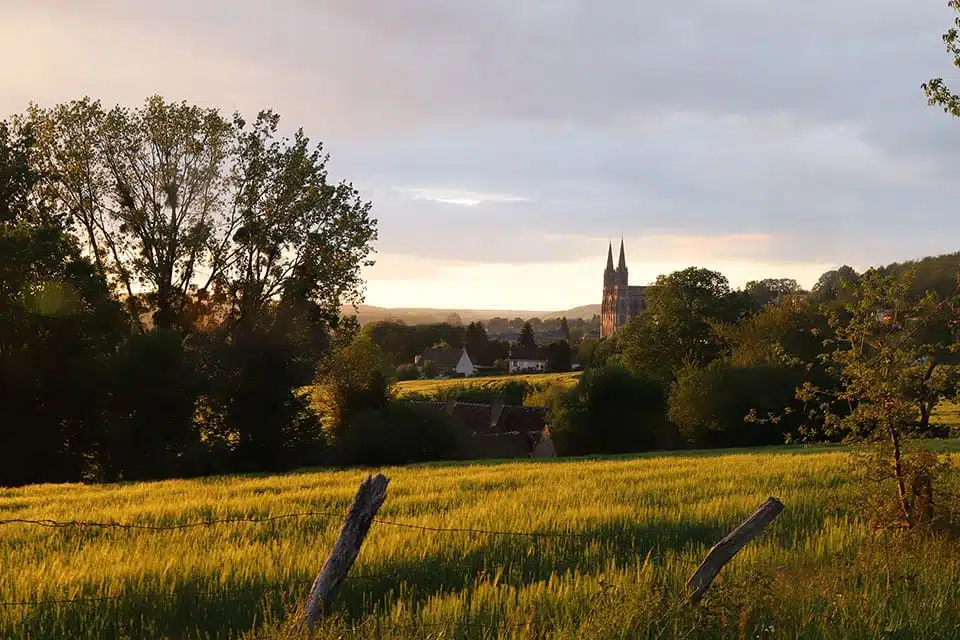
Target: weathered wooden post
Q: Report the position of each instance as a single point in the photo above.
(372, 493)
(723, 551)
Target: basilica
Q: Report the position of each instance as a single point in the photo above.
(620, 301)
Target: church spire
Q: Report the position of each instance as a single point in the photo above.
(622, 266)
(610, 256)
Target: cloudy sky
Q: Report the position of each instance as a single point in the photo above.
(504, 142)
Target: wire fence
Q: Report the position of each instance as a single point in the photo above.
(303, 586)
(57, 524)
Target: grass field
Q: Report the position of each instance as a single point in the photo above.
(645, 522)
(492, 383)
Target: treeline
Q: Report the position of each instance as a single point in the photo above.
(709, 366)
(170, 278)
(401, 342)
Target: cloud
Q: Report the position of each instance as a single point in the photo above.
(459, 196)
(742, 132)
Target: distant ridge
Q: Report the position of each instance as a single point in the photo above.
(368, 313)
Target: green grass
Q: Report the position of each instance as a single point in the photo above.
(491, 383)
(647, 521)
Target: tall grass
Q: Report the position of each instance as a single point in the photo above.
(485, 384)
(646, 522)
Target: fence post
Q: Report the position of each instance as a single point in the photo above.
(723, 551)
(372, 493)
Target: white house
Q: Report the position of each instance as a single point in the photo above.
(449, 360)
(528, 360)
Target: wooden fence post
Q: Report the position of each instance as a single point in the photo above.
(723, 551)
(372, 493)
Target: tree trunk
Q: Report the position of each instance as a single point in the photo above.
(899, 474)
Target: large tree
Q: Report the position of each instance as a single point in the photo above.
(889, 358)
(679, 322)
(58, 326)
(178, 204)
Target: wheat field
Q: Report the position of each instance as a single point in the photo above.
(491, 383)
(643, 524)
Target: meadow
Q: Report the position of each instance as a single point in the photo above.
(491, 384)
(624, 535)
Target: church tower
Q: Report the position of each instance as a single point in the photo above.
(623, 298)
(608, 304)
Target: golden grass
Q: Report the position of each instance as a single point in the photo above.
(492, 383)
(647, 521)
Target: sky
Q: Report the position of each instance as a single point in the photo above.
(504, 143)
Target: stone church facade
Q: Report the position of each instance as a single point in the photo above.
(620, 300)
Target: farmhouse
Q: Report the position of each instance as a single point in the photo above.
(449, 361)
(497, 430)
(527, 360)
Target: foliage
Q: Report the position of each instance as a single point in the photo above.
(709, 404)
(151, 432)
(527, 339)
(58, 331)
(558, 357)
(678, 324)
(763, 292)
(609, 411)
(353, 377)
(398, 433)
(196, 207)
(400, 343)
(430, 369)
(407, 372)
(586, 352)
(881, 348)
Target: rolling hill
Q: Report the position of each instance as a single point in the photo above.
(368, 313)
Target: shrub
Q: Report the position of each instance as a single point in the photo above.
(398, 433)
(407, 372)
(709, 404)
(609, 411)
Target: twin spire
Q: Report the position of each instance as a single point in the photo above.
(622, 266)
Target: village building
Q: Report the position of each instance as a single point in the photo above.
(527, 360)
(450, 361)
(498, 430)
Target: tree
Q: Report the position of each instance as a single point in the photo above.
(558, 357)
(937, 92)
(768, 290)
(711, 405)
(586, 352)
(830, 287)
(527, 339)
(430, 369)
(189, 205)
(475, 341)
(58, 330)
(609, 411)
(879, 349)
(407, 372)
(565, 329)
(351, 378)
(678, 324)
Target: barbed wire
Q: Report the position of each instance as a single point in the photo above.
(57, 524)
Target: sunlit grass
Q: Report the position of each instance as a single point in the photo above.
(816, 572)
(492, 383)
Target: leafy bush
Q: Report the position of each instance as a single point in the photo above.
(709, 404)
(609, 411)
(398, 433)
(407, 372)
